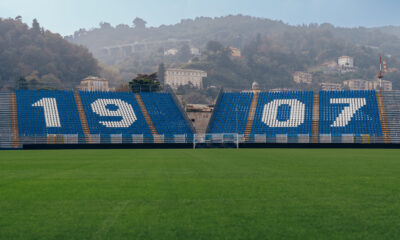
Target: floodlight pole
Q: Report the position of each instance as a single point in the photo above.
(237, 130)
(236, 109)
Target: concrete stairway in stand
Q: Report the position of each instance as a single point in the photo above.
(382, 115)
(82, 116)
(250, 118)
(14, 121)
(5, 121)
(315, 119)
(146, 115)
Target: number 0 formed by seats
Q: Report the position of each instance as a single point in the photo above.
(296, 115)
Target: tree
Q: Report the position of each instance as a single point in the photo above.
(33, 80)
(258, 40)
(195, 60)
(50, 80)
(122, 27)
(22, 84)
(184, 53)
(145, 83)
(41, 57)
(36, 26)
(105, 25)
(161, 73)
(214, 46)
(139, 23)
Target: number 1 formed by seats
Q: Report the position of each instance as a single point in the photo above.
(50, 109)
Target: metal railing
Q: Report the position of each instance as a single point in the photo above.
(197, 140)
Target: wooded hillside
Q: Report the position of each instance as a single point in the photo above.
(43, 58)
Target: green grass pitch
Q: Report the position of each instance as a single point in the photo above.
(200, 194)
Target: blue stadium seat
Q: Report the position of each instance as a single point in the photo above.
(349, 112)
(290, 114)
(230, 116)
(47, 112)
(287, 113)
(116, 117)
(165, 114)
(110, 113)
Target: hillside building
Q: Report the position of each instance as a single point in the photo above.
(376, 85)
(302, 77)
(359, 84)
(92, 83)
(346, 62)
(282, 90)
(326, 86)
(181, 77)
(235, 52)
(356, 84)
(195, 51)
(174, 51)
(171, 52)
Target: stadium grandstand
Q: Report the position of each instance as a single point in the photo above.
(307, 117)
(67, 117)
(30, 117)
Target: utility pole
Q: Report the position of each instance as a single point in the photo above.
(382, 70)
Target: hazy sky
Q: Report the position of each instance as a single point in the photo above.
(67, 16)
